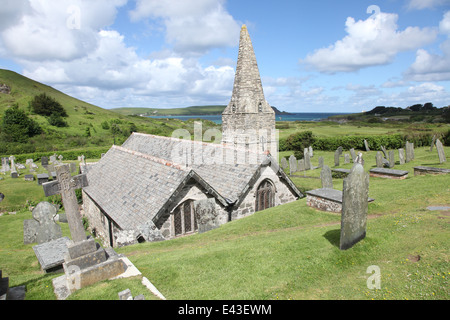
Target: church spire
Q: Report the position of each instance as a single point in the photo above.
(248, 94)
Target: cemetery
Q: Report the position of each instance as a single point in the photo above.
(83, 229)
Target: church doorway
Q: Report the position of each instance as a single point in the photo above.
(265, 196)
(184, 220)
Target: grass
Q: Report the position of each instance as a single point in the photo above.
(286, 252)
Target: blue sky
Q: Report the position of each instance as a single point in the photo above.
(313, 56)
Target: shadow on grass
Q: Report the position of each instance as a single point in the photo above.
(333, 236)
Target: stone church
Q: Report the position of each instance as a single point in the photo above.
(154, 188)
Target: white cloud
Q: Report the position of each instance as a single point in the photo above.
(370, 42)
(64, 30)
(430, 66)
(191, 26)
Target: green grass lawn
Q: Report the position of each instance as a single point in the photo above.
(286, 252)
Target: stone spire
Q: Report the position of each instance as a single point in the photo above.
(249, 121)
(248, 94)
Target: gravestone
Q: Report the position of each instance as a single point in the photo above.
(5, 165)
(301, 165)
(311, 152)
(29, 177)
(409, 151)
(366, 145)
(440, 151)
(14, 173)
(206, 214)
(336, 158)
(284, 163)
(73, 167)
(433, 141)
(346, 158)
(42, 228)
(42, 178)
(86, 262)
(53, 159)
(325, 177)
(353, 154)
(51, 254)
(307, 159)
(379, 159)
(292, 164)
(383, 149)
(60, 157)
(355, 196)
(44, 161)
(391, 159)
(320, 162)
(401, 155)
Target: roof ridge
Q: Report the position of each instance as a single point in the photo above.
(216, 145)
(152, 158)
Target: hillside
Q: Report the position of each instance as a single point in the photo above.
(88, 125)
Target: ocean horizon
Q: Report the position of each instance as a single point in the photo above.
(298, 116)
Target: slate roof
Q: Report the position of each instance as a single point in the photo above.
(134, 183)
(228, 179)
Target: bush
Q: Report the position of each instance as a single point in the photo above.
(17, 126)
(57, 121)
(47, 106)
(299, 141)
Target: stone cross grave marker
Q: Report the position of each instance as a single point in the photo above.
(355, 196)
(14, 173)
(42, 228)
(292, 164)
(325, 176)
(60, 157)
(440, 150)
(66, 185)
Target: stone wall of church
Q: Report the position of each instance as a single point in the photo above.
(189, 192)
(98, 222)
(283, 194)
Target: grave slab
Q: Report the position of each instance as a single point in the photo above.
(51, 254)
(388, 173)
(326, 199)
(421, 170)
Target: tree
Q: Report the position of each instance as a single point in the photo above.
(17, 126)
(46, 106)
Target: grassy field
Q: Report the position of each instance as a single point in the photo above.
(286, 252)
(194, 110)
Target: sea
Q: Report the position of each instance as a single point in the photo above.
(303, 116)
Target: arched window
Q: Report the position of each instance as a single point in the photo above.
(184, 218)
(260, 107)
(265, 196)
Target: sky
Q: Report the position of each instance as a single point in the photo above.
(313, 56)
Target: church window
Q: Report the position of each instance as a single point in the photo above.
(260, 107)
(184, 218)
(265, 196)
(233, 108)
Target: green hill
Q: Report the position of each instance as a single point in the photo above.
(88, 125)
(194, 110)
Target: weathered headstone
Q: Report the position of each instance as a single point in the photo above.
(440, 150)
(353, 154)
(60, 157)
(325, 177)
(383, 149)
(44, 161)
(355, 196)
(53, 159)
(306, 157)
(311, 152)
(409, 151)
(284, 163)
(73, 167)
(42, 228)
(433, 141)
(366, 145)
(401, 155)
(391, 159)
(301, 165)
(379, 159)
(42, 178)
(29, 177)
(336, 158)
(320, 162)
(346, 158)
(292, 164)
